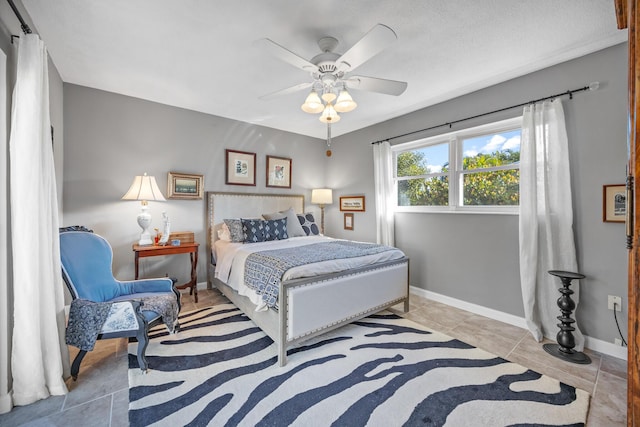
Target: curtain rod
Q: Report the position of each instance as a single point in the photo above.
(590, 87)
(23, 25)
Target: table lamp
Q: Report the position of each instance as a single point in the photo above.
(322, 197)
(144, 188)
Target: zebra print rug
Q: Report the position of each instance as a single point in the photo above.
(221, 370)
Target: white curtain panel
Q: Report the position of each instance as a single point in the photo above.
(383, 176)
(38, 336)
(546, 218)
(5, 250)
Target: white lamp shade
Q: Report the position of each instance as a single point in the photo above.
(329, 115)
(345, 103)
(312, 104)
(322, 196)
(144, 188)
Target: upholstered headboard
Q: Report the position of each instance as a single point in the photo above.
(221, 206)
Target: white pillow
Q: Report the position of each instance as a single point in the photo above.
(224, 233)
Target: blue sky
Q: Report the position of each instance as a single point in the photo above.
(437, 155)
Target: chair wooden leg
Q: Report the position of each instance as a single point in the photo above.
(75, 366)
(143, 340)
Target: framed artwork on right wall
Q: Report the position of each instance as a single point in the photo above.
(614, 203)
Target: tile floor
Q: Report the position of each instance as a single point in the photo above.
(100, 396)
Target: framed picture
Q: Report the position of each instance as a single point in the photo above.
(348, 221)
(352, 203)
(241, 168)
(278, 172)
(614, 203)
(185, 186)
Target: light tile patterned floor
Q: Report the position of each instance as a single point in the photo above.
(100, 396)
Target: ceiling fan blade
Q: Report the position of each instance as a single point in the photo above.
(374, 84)
(286, 55)
(286, 91)
(378, 38)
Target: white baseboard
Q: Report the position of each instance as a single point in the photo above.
(589, 342)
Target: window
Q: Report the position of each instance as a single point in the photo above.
(472, 170)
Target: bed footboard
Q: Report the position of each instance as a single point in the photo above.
(313, 306)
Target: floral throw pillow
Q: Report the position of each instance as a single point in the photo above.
(276, 229)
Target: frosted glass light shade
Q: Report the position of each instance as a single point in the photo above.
(329, 115)
(328, 97)
(322, 196)
(312, 104)
(345, 103)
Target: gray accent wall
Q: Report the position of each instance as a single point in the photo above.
(110, 138)
(474, 257)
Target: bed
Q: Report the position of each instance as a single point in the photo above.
(311, 300)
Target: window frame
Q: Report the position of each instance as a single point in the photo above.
(456, 174)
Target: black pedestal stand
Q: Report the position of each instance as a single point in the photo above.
(564, 349)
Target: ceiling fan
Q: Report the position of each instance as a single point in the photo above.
(330, 73)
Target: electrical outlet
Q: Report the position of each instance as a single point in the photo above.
(614, 300)
(617, 341)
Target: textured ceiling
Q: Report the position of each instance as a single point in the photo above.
(201, 55)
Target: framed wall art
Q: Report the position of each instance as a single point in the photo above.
(240, 168)
(278, 172)
(614, 203)
(185, 186)
(348, 221)
(352, 203)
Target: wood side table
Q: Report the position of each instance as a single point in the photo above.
(185, 248)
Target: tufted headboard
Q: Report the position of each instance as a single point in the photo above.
(221, 206)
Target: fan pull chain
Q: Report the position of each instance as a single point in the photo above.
(328, 138)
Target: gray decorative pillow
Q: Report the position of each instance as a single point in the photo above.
(253, 230)
(308, 223)
(294, 229)
(276, 229)
(235, 229)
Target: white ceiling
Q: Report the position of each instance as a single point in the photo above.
(200, 55)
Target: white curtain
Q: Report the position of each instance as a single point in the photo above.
(5, 249)
(383, 176)
(546, 218)
(39, 356)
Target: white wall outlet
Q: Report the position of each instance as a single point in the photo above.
(617, 341)
(614, 300)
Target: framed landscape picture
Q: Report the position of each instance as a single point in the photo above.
(278, 172)
(185, 186)
(240, 168)
(614, 203)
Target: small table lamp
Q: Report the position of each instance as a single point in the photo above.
(322, 196)
(144, 188)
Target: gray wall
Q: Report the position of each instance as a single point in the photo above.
(474, 257)
(110, 138)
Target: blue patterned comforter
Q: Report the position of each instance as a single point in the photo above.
(264, 270)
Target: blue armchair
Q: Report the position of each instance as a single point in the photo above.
(104, 307)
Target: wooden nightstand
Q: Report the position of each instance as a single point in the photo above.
(185, 248)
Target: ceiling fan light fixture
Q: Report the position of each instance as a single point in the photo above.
(345, 102)
(312, 104)
(329, 115)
